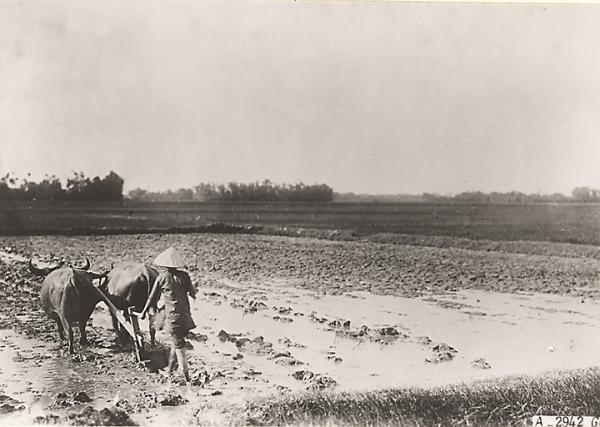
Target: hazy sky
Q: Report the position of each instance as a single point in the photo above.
(364, 96)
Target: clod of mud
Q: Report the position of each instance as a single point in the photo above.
(92, 417)
(283, 310)
(339, 324)
(278, 354)
(320, 382)
(443, 347)
(201, 378)
(289, 343)
(47, 419)
(257, 346)
(248, 305)
(332, 356)
(440, 357)
(147, 400)
(173, 400)
(388, 331)
(357, 333)
(9, 405)
(225, 336)
(481, 363)
(315, 318)
(288, 361)
(442, 353)
(283, 319)
(382, 335)
(303, 375)
(314, 381)
(248, 374)
(63, 400)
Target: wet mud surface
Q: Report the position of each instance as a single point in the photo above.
(283, 315)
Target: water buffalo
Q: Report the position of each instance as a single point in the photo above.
(128, 285)
(68, 296)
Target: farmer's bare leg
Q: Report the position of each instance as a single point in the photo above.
(151, 327)
(181, 359)
(172, 357)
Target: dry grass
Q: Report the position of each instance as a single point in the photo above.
(508, 401)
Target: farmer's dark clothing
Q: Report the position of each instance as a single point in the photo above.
(175, 286)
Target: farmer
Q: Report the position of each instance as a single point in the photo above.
(175, 285)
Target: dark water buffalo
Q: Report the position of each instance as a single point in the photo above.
(68, 296)
(128, 285)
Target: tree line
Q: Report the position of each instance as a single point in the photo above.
(265, 191)
(78, 187)
(579, 195)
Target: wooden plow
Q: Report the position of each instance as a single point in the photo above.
(132, 326)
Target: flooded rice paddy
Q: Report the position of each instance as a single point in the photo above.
(511, 333)
(260, 333)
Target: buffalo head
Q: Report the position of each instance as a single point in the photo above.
(42, 271)
(85, 267)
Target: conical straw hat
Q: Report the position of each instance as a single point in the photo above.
(170, 258)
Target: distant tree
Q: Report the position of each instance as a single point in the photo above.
(6, 192)
(582, 194)
(111, 187)
(138, 194)
(50, 188)
(184, 194)
(234, 191)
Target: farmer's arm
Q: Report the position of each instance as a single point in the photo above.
(153, 293)
(191, 288)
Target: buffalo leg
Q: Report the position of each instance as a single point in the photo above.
(61, 332)
(119, 331)
(123, 334)
(69, 331)
(115, 324)
(71, 349)
(82, 335)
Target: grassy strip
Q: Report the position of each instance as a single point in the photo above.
(507, 401)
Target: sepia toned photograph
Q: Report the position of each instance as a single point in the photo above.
(298, 212)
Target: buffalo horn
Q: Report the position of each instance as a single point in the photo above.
(37, 271)
(97, 275)
(41, 271)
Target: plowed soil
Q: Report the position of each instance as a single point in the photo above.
(292, 315)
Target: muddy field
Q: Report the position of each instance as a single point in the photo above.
(282, 315)
(563, 222)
